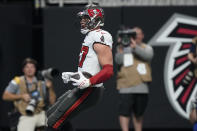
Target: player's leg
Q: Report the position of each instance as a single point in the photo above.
(71, 105)
(59, 100)
(140, 105)
(67, 126)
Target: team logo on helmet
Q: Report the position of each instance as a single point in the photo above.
(95, 13)
(178, 33)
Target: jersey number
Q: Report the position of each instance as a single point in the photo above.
(84, 51)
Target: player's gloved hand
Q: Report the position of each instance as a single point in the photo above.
(82, 82)
(67, 75)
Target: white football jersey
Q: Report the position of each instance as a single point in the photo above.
(88, 60)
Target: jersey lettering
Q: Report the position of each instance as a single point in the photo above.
(84, 51)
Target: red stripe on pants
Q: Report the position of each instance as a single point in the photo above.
(72, 108)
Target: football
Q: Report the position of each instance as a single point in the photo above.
(86, 74)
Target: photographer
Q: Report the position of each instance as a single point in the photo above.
(133, 58)
(28, 94)
(192, 56)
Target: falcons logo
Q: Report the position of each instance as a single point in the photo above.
(178, 33)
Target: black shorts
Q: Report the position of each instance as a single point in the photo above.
(132, 103)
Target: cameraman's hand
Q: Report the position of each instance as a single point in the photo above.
(25, 97)
(119, 49)
(195, 61)
(52, 95)
(119, 40)
(133, 43)
(192, 58)
(49, 83)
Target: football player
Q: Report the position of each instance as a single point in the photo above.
(95, 59)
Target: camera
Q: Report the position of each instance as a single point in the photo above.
(35, 95)
(49, 73)
(125, 35)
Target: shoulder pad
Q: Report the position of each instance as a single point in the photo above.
(103, 37)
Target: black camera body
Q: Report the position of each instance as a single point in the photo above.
(125, 35)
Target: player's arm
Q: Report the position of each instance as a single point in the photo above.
(104, 54)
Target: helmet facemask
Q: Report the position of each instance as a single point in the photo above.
(94, 18)
(84, 21)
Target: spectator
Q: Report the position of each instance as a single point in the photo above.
(192, 56)
(133, 57)
(27, 92)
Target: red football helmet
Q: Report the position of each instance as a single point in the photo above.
(95, 16)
